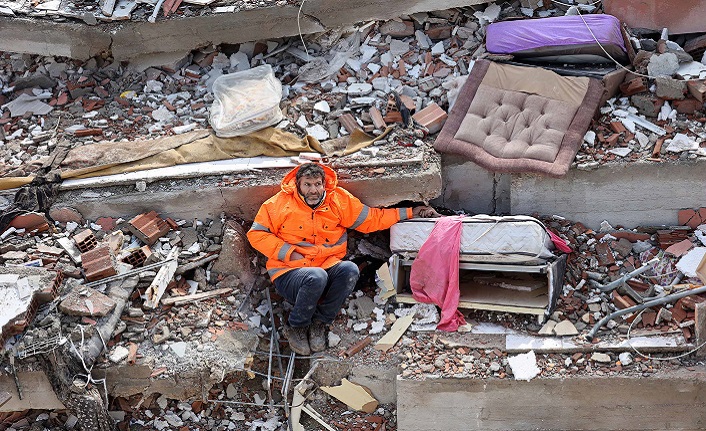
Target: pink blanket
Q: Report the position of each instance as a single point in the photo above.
(434, 276)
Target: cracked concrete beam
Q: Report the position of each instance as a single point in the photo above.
(43, 37)
(135, 41)
(337, 13)
(167, 39)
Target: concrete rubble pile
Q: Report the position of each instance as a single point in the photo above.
(199, 314)
(659, 114)
(338, 82)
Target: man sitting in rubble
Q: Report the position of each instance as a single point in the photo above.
(302, 231)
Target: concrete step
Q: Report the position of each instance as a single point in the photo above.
(671, 400)
(208, 197)
(628, 194)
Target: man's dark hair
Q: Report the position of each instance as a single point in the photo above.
(311, 170)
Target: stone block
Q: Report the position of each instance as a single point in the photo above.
(236, 254)
(665, 64)
(397, 28)
(646, 104)
(84, 301)
(670, 89)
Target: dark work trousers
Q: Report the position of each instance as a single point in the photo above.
(317, 293)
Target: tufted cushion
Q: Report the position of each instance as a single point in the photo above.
(513, 125)
(520, 119)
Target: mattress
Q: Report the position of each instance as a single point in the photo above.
(510, 239)
(520, 119)
(560, 39)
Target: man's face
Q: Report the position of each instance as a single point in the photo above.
(311, 188)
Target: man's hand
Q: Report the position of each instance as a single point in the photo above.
(424, 212)
(295, 256)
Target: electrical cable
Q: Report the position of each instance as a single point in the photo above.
(299, 27)
(578, 9)
(652, 357)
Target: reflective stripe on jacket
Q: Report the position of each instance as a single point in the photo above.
(285, 223)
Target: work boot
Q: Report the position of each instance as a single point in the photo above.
(317, 336)
(298, 340)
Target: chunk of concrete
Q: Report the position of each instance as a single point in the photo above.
(665, 64)
(85, 301)
(670, 89)
(236, 254)
(548, 328)
(603, 358)
(565, 329)
(397, 28)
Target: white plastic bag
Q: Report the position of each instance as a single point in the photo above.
(245, 102)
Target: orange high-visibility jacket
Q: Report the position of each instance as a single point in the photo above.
(285, 223)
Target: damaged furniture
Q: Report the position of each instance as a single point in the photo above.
(561, 39)
(520, 119)
(506, 263)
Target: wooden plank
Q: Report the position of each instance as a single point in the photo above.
(189, 170)
(316, 416)
(394, 334)
(700, 328)
(406, 298)
(155, 291)
(349, 122)
(179, 300)
(354, 396)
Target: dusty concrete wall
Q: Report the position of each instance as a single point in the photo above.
(467, 186)
(138, 41)
(631, 195)
(673, 400)
(44, 37)
(206, 198)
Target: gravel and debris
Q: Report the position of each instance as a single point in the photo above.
(341, 83)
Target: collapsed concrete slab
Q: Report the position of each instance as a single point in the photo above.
(631, 195)
(628, 194)
(138, 41)
(210, 197)
(591, 403)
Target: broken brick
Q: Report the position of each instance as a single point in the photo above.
(691, 217)
(688, 105)
(697, 89)
(438, 33)
(617, 127)
(85, 240)
(107, 224)
(65, 215)
(622, 302)
(648, 317)
(348, 122)
(98, 263)
(678, 312)
(139, 256)
(432, 117)
(605, 255)
(378, 121)
(679, 249)
(633, 86)
(30, 222)
(148, 227)
(81, 133)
